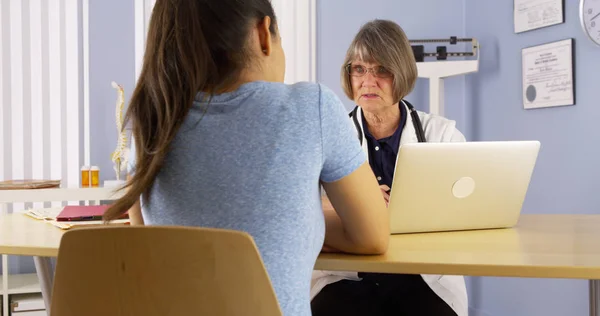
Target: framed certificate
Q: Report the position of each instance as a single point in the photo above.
(535, 14)
(548, 75)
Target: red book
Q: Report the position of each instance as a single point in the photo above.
(83, 213)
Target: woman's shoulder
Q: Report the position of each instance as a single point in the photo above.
(302, 91)
(309, 96)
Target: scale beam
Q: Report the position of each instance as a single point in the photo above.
(437, 71)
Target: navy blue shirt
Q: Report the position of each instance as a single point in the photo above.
(383, 152)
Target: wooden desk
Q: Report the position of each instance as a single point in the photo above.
(24, 236)
(540, 246)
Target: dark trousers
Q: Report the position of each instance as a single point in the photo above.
(378, 295)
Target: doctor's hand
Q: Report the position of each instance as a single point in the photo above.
(384, 191)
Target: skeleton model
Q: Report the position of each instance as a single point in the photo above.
(119, 156)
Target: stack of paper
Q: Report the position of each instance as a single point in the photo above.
(49, 213)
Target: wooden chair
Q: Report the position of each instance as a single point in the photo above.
(158, 270)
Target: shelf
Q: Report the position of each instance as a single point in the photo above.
(21, 284)
(60, 194)
(25, 304)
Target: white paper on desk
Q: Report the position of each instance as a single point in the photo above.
(533, 14)
(49, 213)
(71, 224)
(548, 75)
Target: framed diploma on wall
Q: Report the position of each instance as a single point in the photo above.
(548, 78)
(534, 14)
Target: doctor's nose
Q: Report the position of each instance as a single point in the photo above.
(369, 80)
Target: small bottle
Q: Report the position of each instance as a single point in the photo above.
(95, 176)
(85, 176)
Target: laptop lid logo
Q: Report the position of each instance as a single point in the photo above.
(463, 187)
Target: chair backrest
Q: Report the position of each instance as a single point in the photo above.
(158, 270)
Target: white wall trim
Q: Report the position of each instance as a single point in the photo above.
(313, 40)
(142, 12)
(86, 82)
(55, 98)
(16, 78)
(73, 87)
(3, 69)
(37, 89)
(140, 38)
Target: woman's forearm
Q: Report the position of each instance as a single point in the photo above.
(135, 214)
(337, 239)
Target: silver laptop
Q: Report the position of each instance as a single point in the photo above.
(460, 186)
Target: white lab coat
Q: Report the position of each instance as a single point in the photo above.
(450, 288)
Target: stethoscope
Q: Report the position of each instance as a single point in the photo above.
(413, 114)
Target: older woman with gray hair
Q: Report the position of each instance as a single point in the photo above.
(378, 72)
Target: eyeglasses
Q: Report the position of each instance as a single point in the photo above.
(359, 71)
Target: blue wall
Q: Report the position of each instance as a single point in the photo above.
(566, 176)
(339, 20)
(567, 173)
(484, 104)
(112, 58)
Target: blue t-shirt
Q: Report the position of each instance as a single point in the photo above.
(253, 163)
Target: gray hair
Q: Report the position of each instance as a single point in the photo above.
(385, 43)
